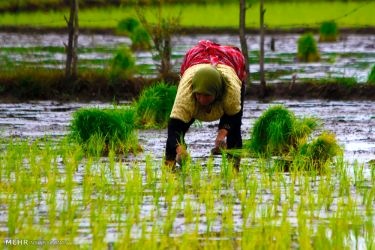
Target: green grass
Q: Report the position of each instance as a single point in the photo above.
(278, 15)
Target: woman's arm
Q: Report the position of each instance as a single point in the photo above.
(176, 135)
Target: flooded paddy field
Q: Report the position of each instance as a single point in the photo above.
(352, 56)
(353, 122)
(49, 191)
(116, 202)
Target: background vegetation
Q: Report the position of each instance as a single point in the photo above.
(103, 76)
(221, 15)
(27, 5)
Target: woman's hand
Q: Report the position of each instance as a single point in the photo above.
(182, 154)
(220, 142)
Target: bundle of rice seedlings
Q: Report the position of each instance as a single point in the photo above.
(278, 132)
(328, 32)
(318, 153)
(271, 132)
(122, 64)
(131, 27)
(307, 49)
(102, 130)
(154, 105)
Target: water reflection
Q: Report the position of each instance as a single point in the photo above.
(352, 56)
(353, 123)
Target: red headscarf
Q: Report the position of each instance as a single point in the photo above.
(213, 53)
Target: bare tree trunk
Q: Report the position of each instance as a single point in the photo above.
(166, 66)
(261, 54)
(71, 48)
(243, 42)
(75, 41)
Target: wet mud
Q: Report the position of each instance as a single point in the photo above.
(353, 122)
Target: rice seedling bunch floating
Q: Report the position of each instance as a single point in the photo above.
(102, 130)
(154, 105)
(307, 49)
(328, 32)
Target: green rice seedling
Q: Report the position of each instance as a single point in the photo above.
(368, 200)
(328, 32)
(196, 176)
(227, 216)
(105, 128)
(371, 76)
(319, 152)
(154, 105)
(369, 233)
(307, 49)
(344, 181)
(359, 177)
(325, 190)
(188, 210)
(303, 230)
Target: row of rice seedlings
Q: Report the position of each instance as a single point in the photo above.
(48, 191)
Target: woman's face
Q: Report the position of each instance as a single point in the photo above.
(204, 99)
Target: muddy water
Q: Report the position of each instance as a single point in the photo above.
(353, 123)
(352, 56)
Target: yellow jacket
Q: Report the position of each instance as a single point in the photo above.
(186, 107)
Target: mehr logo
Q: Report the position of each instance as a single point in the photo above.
(23, 242)
(16, 242)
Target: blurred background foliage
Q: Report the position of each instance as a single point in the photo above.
(30, 5)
